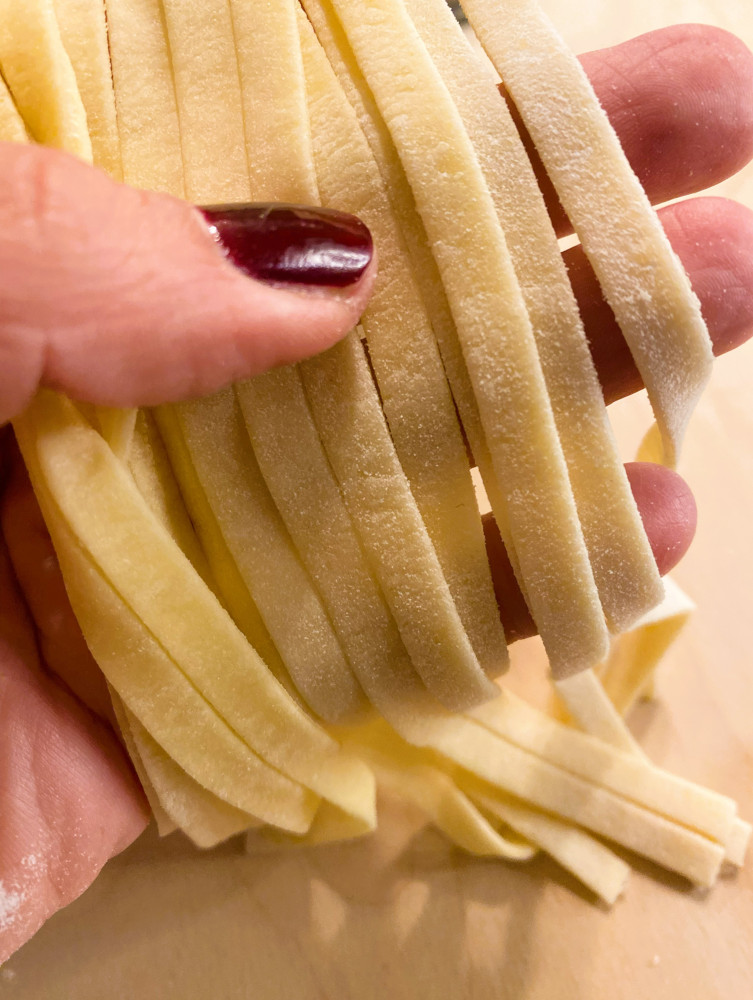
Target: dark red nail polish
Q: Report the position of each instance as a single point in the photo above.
(293, 244)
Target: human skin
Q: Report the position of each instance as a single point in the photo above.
(146, 310)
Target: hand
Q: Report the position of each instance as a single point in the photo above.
(68, 800)
(179, 320)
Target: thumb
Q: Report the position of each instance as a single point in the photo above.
(124, 298)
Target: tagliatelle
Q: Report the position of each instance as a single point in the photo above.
(149, 465)
(274, 432)
(579, 852)
(145, 107)
(39, 74)
(628, 674)
(424, 267)
(165, 825)
(202, 816)
(318, 521)
(586, 858)
(623, 563)
(257, 541)
(12, 127)
(292, 612)
(640, 275)
(207, 93)
(493, 326)
(147, 680)
(224, 575)
(355, 434)
(377, 495)
(608, 815)
(335, 44)
(738, 843)
(177, 800)
(630, 669)
(175, 605)
(406, 361)
(144, 96)
(589, 706)
(118, 93)
(255, 537)
(83, 29)
(622, 772)
(436, 794)
(309, 542)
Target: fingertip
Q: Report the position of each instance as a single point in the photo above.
(298, 277)
(307, 320)
(256, 328)
(124, 298)
(714, 240)
(681, 100)
(668, 509)
(727, 85)
(157, 310)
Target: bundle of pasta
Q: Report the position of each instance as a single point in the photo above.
(286, 584)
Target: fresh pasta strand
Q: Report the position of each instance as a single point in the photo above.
(640, 275)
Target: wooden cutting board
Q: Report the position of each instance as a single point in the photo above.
(404, 916)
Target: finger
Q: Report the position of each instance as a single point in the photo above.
(681, 101)
(669, 516)
(59, 638)
(122, 298)
(714, 240)
(68, 798)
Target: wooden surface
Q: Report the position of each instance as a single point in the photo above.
(402, 915)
